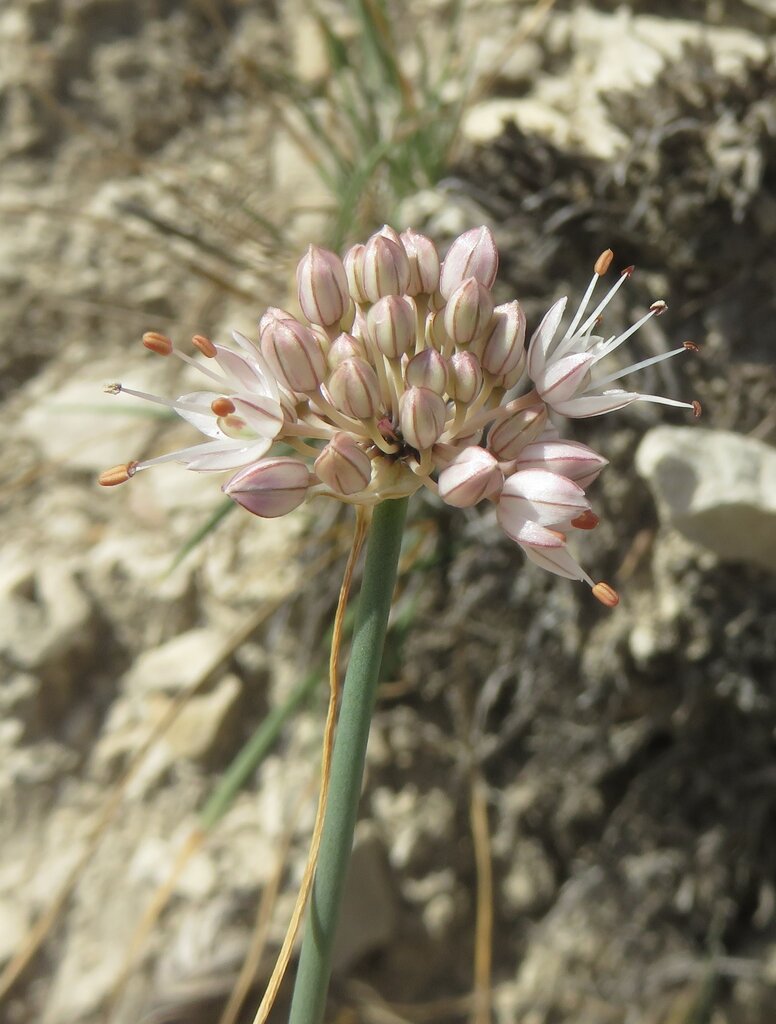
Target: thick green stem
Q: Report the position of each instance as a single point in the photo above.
(347, 768)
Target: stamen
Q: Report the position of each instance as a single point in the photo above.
(628, 272)
(599, 383)
(603, 262)
(606, 299)
(117, 475)
(658, 307)
(697, 409)
(691, 346)
(581, 310)
(222, 406)
(158, 343)
(614, 342)
(607, 595)
(205, 346)
(588, 520)
(113, 389)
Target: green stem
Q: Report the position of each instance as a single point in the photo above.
(358, 699)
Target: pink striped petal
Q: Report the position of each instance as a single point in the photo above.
(542, 338)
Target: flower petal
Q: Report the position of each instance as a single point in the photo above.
(542, 338)
(558, 560)
(564, 378)
(541, 496)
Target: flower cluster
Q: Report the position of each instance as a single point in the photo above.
(404, 374)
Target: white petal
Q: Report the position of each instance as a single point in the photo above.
(543, 497)
(205, 421)
(595, 405)
(564, 378)
(525, 532)
(262, 414)
(559, 561)
(271, 384)
(541, 341)
(229, 458)
(244, 370)
(568, 458)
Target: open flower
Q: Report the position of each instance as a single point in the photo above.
(403, 376)
(565, 369)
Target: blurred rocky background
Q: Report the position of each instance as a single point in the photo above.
(158, 171)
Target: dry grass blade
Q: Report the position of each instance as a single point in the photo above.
(151, 915)
(267, 902)
(284, 955)
(483, 933)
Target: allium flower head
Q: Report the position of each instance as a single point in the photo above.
(402, 376)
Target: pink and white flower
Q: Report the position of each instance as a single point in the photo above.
(564, 369)
(402, 376)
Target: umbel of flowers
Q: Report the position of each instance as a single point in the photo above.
(402, 374)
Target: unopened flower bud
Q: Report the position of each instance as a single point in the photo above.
(468, 311)
(271, 317)
(295, 354)
(424, 262)
(354, 271)
(427, 369)
(322, 286)
(354, 389)
(465, 377)
(343, 465)
(388, 232)
(436, 335)
(509, 437)
(390, 324)
(571, 459)
(271, 487)
(502, 352)
(472, 254)
(386, 269)
(473, 474)
(422, 415)
(345, 346)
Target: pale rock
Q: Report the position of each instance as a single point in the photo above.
(202, 728)
(309, 50)
(369, 909)
(199, 732)
(14, 922)
(717, 488)
(413, 820)
(529, 885)
(154, 860)
(47, 628)
(175, 665)
(609, 52)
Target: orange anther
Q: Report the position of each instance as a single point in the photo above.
(588, 520)
(117, 475)
(205, 345)
(603, 262)
(157, 342)
(222, 406)
(606, 595)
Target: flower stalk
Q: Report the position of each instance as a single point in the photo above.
(358, 700)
